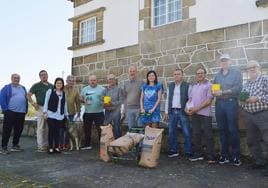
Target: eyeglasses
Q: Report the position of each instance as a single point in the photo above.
(111, 79)
(249, 68)
(200, 73)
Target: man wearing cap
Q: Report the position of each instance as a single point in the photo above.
(112, 107)
(226, 107)
(256, 113)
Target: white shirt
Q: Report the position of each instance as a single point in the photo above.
(176, 101)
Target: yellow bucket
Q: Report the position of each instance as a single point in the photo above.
(215, 87)
(107, 99)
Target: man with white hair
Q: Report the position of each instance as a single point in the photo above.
(256, 113)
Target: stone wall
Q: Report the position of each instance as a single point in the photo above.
(178, 45)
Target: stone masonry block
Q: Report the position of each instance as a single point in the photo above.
(237, 32)
(265, 26)
(178, 28)
(248, 41)
(99, 65)
(222, 45)
(90, 58)
(110, 55)
(235, 53)
(205, 37)
(111, 63)
(146, 12)
(143, 72)
(100, 74)
(203, 56)
(184, 65)
(187, 3)
(156, 55)
(123, 61)
(75, 71)
(91, 67)
(159, 71)
(169, 70)
(172, 43)
(150, 47)
(191, 70)
(168, 59)
(182, 58)
(78, 60)
(128, 51)
(189, 49)
(101, 56)
(84, 70)
(134, 59)
(255, 28)
(260, 55)
(185, 13)
(148, 62)
(117, 71)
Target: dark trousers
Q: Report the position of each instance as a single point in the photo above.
(200, 122)
(15, 121)
(257, 132)
(88, 119)
(54, 132)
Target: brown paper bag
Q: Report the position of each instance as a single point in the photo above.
(125, 143)
(151, 147)
(106, 138)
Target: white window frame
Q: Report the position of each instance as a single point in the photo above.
(166, 13)
(81, 38)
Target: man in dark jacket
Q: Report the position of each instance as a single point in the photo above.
(177, 96)
(14, 105)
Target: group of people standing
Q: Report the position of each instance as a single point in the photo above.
(188, 105)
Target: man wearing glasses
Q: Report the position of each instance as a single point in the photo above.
(39, 89)
(256, 113)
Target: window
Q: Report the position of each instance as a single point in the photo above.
(87, 31)
(166, 11)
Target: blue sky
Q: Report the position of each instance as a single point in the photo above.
(35, 35)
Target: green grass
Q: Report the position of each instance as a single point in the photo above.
(8, 180)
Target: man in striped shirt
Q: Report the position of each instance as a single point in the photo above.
(256, 113)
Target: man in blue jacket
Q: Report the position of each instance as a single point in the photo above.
(14, 103)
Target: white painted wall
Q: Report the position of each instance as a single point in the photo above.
(120, 26)
(213, 14)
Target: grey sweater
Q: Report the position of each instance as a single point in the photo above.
(132, 93)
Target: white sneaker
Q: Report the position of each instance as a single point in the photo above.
(86, 147)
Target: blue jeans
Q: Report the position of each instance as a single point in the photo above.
(113, 117)
(226, 117)
(132, 118)
(177, 116)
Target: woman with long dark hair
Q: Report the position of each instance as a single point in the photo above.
(151, 92)
(55, 111)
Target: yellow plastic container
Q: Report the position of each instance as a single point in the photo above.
(107, 99)
(215, 87)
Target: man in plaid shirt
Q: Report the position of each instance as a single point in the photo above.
(256, 113)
